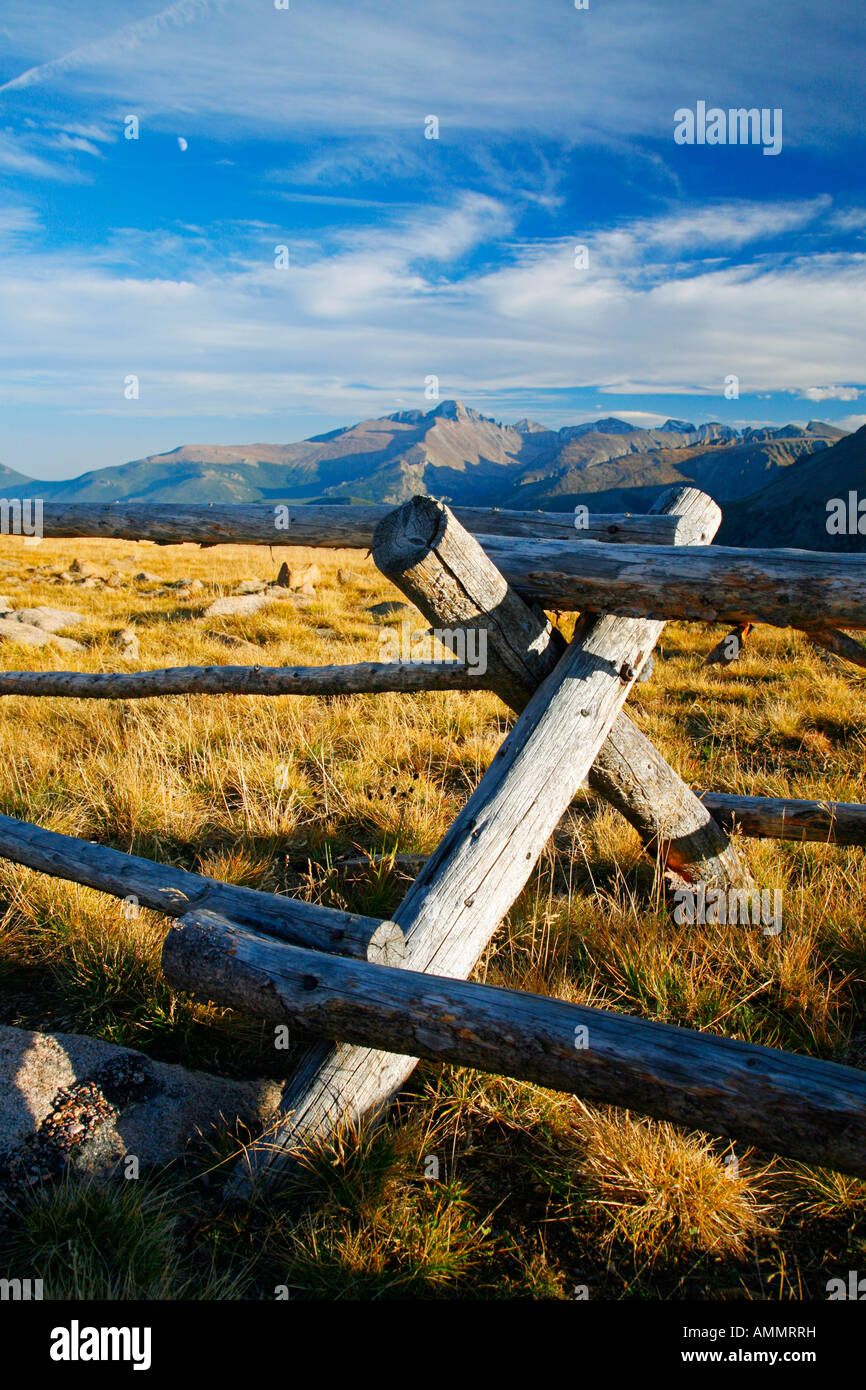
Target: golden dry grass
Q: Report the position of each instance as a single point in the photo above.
(537, 1195)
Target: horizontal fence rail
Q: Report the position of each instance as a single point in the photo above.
(643, 575)
(786, 588)
(780, 818)
(362, 678)
(141, 882)
(800, 1106)
(332, 527)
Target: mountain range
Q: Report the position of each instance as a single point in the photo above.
(773, 483)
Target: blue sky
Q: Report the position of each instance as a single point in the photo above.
(412, 257)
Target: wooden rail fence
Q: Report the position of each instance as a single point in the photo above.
(380, 994)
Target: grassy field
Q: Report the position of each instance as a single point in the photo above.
(538, 1195)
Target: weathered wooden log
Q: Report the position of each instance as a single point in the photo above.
(309, 524)
(831, 640)
(801, 1107)
(429, 556)
(840, 644)
(672, 822)
(728, 650)
(779, 818)
(806, 589)
(757, 817)
(175, 891)
(364, 678)
(632, 775)
(470, 881)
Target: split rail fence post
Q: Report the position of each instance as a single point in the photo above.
(455, 585)
(486, 857)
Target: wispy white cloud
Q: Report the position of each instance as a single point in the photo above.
(115, 46)
(18, 159)
(350, 328)
(614, 72)
(831, 393)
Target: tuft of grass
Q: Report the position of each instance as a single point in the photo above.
(666, 1194)
(89, 1240)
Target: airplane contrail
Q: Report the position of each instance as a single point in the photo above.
(130, 36)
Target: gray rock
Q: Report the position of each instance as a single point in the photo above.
(27, 636)
(250, 586)
(237, 605)
(298, 600)
(6, 605)
(238, 645)
(68, 1101)
(126, 640)
(303, 578)
(83, 569)
(48, 619)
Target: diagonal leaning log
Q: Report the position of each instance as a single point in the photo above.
(443, 570)
(471, 880)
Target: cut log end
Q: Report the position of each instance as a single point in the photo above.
(407, 533)
(387, 945)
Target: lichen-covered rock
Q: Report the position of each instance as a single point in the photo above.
(126, 641)
(68, 1101)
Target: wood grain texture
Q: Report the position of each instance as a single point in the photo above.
(779, 818)
(427, 554)
(785, 588)
(673, 823)
(175, 891)
(632, 775)
(470, 881)
(335, 526)
(363, 678)
(806, 1109)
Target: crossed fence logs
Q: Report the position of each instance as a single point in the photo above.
(394, 991)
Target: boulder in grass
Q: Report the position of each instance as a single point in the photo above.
(48, 619)
(145, 577)
(390, 608)
(237, 605)
(74, 1103)
(126, 641)
(247, 650)
(302, 579)
(27, 636)
(250, 586)
(287, 596)
(83, 569)
(6, 605)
